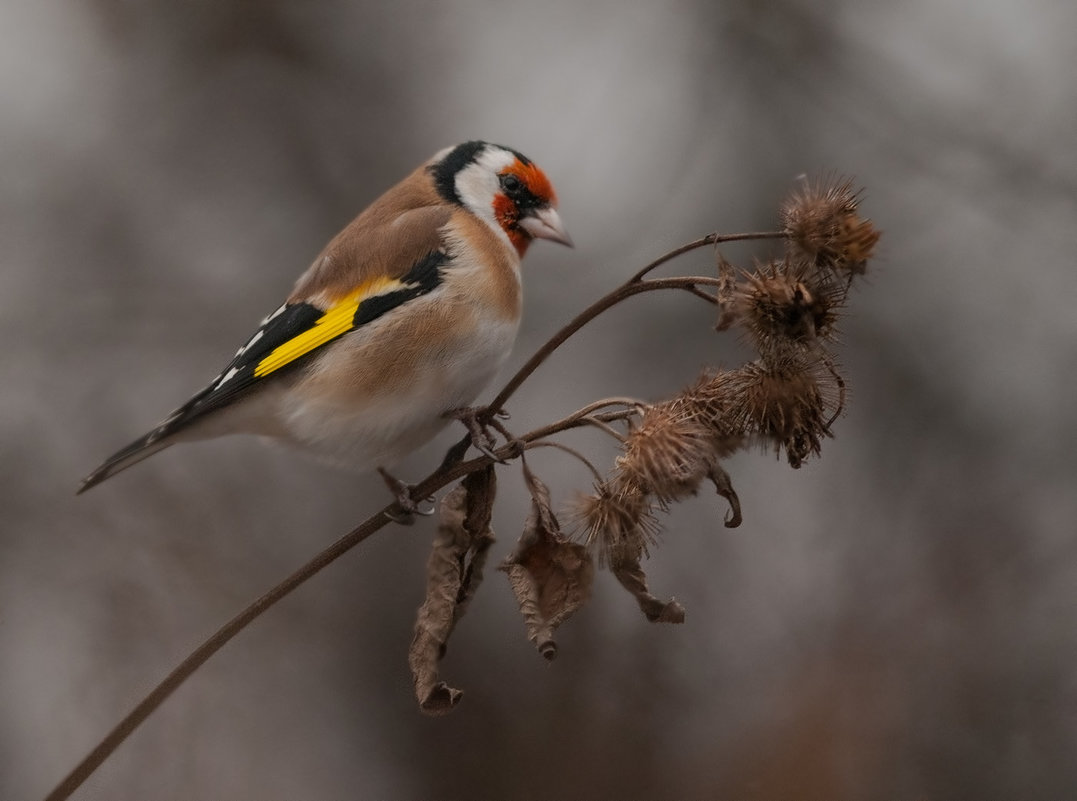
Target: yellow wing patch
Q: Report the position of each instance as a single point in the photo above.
(337, 320)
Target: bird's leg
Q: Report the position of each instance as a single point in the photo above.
(478, 421)
(402, 493)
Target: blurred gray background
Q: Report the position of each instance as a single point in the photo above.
(893, 621)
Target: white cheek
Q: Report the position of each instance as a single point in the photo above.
(478, 182)
(476, 189)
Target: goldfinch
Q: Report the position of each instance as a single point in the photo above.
(404, 317)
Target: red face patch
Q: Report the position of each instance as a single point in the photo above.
(535, 180)
(533, 189)
(506, 213)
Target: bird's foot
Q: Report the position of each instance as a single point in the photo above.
(402, 492)
(479, 420)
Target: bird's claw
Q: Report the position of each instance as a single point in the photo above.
(408, 507)
(478, 422)
(487, 451)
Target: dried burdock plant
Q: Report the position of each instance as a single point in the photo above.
(787, 308)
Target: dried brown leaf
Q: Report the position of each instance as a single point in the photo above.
(550, 576)
(481, 488)
(454, 572)
(545, 523)
(633, 579)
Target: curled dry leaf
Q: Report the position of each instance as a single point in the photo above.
(724, 484)
(453, 573)
(550, 576)
(633, 579)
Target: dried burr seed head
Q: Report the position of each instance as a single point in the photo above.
(667, 454)
(617, 522)
(788, 403)
(823, 223)
(782, 303)
(714, 401)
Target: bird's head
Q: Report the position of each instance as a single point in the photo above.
(502, 187)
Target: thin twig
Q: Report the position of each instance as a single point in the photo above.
(566, 449)
(699, 293)
(601, 426)
(591, 408)
(573, 421)
(622, 292)
(829, 362)
(710, 239)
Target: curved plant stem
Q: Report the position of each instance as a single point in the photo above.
(572, 451)
(574, 420)
(841, 392)
(622, 292)
(601, 426)
(709, 239)
(591, 408)
(699, 293)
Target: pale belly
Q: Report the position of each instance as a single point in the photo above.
(371, 405)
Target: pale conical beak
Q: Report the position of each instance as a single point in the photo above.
(545, 223)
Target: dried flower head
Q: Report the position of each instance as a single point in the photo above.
(713, 401)
(667, 453)
(789, 403)
(783, 302)
(617, 522)
(822, 220)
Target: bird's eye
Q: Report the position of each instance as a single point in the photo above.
(510, 183)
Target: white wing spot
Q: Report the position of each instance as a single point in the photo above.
(224, 379)
(250, 342)
(274, 314)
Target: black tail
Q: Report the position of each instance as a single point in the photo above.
(134, 453)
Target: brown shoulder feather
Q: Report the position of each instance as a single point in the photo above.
(397, 230)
